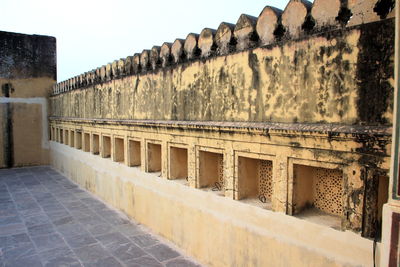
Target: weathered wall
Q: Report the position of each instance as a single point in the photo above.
(338, 76)
(308, 86)
(27, 74)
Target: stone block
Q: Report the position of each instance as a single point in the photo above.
(267, 23)
(206, 42)
(245, 32)
(294, 16)
(224, 38)
(190, 46)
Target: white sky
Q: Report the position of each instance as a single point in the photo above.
(92, 33)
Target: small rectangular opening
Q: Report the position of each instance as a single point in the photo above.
(86, 142)
(178, 167)
(211, 171)
(78, 143)
(317, 194)
(66, 137)
(52, 133)
(383, 196)
(72, 139)
(57, 135)
(106, 147)
(134, 153)
(255, 181)
(61, 136)
(119, 153)
(95, 144)
(153, 157)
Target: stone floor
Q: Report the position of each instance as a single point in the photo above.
(46, 220)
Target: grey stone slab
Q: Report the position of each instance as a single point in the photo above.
(21, 251)
(130, 229)
(53, 207)
(14, 241)
(112, 238)
(9, 205)
(43, 197)
(72, 229)
(52, 253)
(8, 212)
(41, 229)
(73, 204)
(81, 215)
(30, 212)
(162, 252)
(91, 220)
(145, 240)
(116, 220)
(10, 220)
(90, 201)
(64, 220)
(5, 198)
(31, 261)
(147, 261)
(100, 229)
(63, 261)
(46, 242)
(12, 229)
(80, 240)
(36, 219)
(58, 214)
(106, 262)
(91, 253)
(181, 262)
(126, 252)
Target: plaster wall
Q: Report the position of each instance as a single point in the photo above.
(27, 74)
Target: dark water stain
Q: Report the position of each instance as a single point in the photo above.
(375, 67)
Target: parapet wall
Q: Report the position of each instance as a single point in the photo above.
(332, 74)
(290, 112)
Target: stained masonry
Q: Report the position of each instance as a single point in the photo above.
(290, 112)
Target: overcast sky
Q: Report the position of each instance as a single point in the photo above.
(92, 33)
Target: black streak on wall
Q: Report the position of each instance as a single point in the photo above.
(375, 67)
(8, 139)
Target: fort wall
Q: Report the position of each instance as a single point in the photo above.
(213, 140)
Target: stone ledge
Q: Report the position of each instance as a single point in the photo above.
(331, 130)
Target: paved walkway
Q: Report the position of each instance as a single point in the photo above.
(46, 220)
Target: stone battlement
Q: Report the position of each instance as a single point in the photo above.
(300, 19)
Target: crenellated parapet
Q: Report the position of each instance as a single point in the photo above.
(299, 19)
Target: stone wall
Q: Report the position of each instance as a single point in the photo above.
(290, 112)
(27, 74)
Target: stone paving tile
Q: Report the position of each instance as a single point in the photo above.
(112, 238)
(46, 220)
(46, 242)
(126, 252)
(91, 253)
(41, 229)
(147, 261)
(180, 262)
(31, 261)
(80, 240)
(162, 252)
(106, 262)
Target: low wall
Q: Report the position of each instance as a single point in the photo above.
(217, 231)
